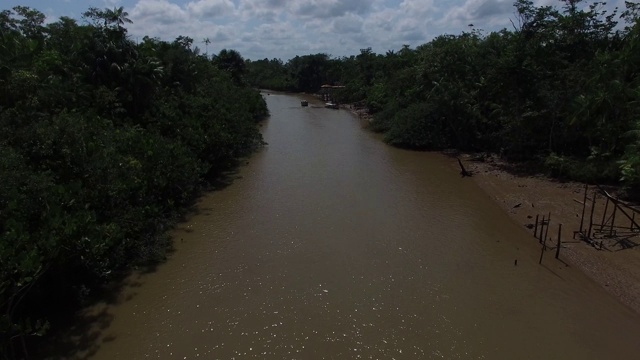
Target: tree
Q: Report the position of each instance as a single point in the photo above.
(117, 17)
(110, 141)
(232, 62)
(114, 18)
(206, 42)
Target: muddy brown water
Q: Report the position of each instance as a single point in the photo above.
(332, 245)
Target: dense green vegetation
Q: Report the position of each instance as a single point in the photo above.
(104, 143)
(561, 88)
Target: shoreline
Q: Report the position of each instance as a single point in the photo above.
(525, 196)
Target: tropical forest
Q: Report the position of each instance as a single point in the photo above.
(105, 143)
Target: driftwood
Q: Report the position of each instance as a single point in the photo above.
(463, 171)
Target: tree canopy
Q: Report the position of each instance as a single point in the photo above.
(105, 143)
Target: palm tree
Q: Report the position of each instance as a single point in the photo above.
(108, 17)
(117, 17)
(206, 42)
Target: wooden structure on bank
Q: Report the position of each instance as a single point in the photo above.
(616, 229)
(606, 223)
(327, 92)
(541, 232)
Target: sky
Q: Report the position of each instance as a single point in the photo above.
(282, 29)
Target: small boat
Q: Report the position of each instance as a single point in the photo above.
(331, 105)
(304, 103)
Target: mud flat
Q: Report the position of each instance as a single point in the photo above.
(524, 196)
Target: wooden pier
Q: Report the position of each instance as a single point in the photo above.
(327, 92)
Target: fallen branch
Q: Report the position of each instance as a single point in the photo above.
(463, 171)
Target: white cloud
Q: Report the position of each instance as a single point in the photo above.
(324, 9)
(418, 7)
(158, 12)
(210, 8)
(278, 31)
(348, 24)
(478, 10)
(109, 3)
(168, 20)
(264, 10)
(283, 29)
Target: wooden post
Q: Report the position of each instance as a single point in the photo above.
(593, 207)
(606, 207)
(559, 241)
(535, 229)
(584, 205)
(546, 232)
(544, 245)
(613, 219)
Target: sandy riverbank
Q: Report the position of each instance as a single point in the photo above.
(525, 196)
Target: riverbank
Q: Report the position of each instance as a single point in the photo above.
(332, 244)
(360, 112)
(525, 196)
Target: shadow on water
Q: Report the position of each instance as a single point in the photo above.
(77, 334)
(227, 178)
(81, 341)
(78, 330)
(551, 271)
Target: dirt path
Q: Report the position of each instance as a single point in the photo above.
(525, 196)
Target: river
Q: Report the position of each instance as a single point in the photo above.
(330, 244)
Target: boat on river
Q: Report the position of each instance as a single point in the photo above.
(304, 103)
(331, 105)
